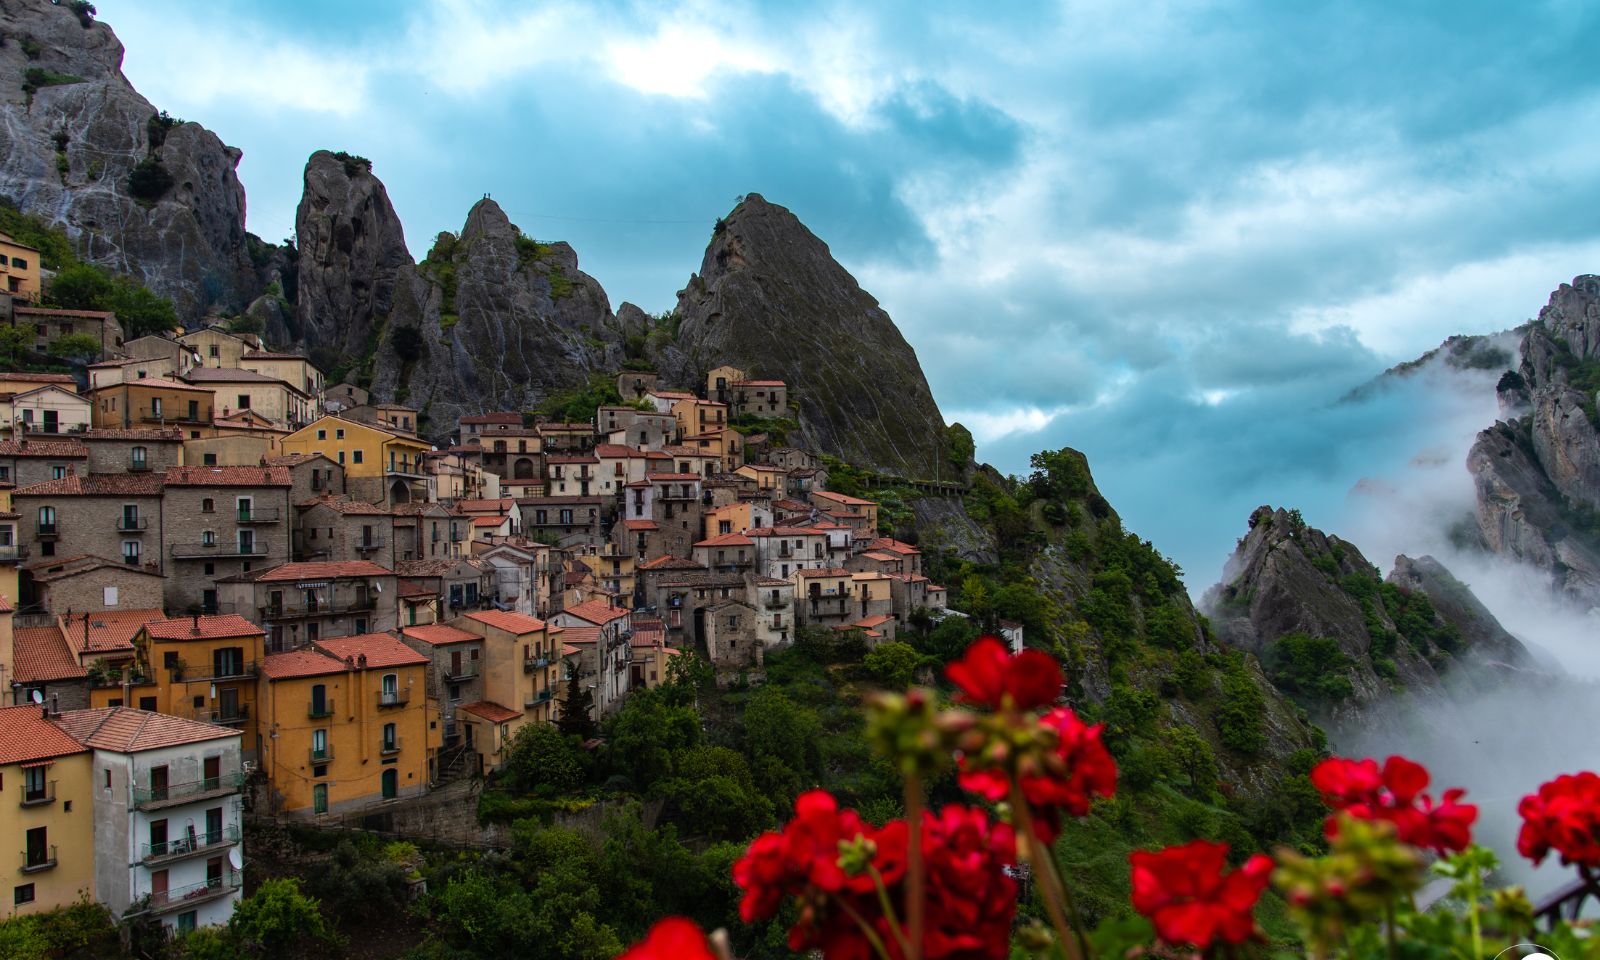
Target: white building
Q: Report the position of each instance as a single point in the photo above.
(782, 551)
(167, 813)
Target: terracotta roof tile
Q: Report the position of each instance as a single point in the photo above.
(640, 525)
(670, 477)
(415, 588)
(203, 628)
(125, 730)
(759, 383)
(596, 612)
(42, 448)
(299, 663)
(669, 562)
(36, 377)
(617, 451)
(173, 435)
(830, 572)
(490, 711)
(727, 540)
(25, 735)
(345, 505)
(41, 655)
(96, 485)
(381, 650)
(493, 418)
(109, 631)
(268, 355)
(518, 623)
(228, 477)
(574, 635)
(324, 570)
(61, 568)
(439, 634)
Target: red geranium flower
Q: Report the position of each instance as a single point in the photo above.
(1077, 769)
(674, 938)
(1395, 794)
(1564, 816)
(805, 855)
(971, 898)
(1189, 897)
(988, 674)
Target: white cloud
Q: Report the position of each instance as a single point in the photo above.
(677, 60)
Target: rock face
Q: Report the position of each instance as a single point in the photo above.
(75, 130)
(1538, 474)
(771, 299)
(1287, 578)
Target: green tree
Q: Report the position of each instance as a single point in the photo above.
(278, 917)
(1312, 667)
(642, 737)
(77, 347)
(545, 762)
(893, 664)
(81, 286)
(577, 709)
(16, 339)
(782, 740)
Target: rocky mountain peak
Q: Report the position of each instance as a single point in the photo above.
(770, 298)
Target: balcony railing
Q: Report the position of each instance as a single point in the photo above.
(393, 698)
(203, 842)
(152, 415)
(322, 755)
(179, 897)
(221, 671)
(13, 551)
(389, 748)
(775, 603)
(146, 798)
(221, 548)
(39, 858)
(368, 546)
(39, 796)
(260, 515)
(225, 717)
(320, 711)
(466, 671)
(535, 663)
(133, 524)
(49, 531)
(286, 611)
(138, 466)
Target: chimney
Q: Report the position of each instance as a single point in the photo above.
(194, 629)
(55, 704)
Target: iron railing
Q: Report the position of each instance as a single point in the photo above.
(151, 796)
(320, 711)
(202, 842)
(393, 698)
(40, 795)
(221, 548)
(178, 897)
(38, 858)
(259, 515)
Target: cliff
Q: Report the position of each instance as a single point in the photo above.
(138, 192)
(1335, 636)
(1537, 473)
(771, 299)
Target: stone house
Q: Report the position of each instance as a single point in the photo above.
(337, 527)
(50, 325)
(521, 574)
(311, 475)
(635, 385)
(455, 669)
(219, 347)
(846, 509)
(640, 429)
(133, 450)
(153, 402)
(759, 398)
(780, 551)
(280, 404)
(571, 474)
(340, 397)
(791, 458)
(773, 601)
(219, 521)
(720, 381)
(824, 597)
(41, 662)
(300, 603)
(726, 553)
(522, 667)
(680, 601)
(617, 467)
(730, 634)
(872, 595)
(25, 460)
(610, 656)
(566, 437)
(562, 520)
(111, 515)
(462, 583)
(422, 532)
(293, 369)
(88, 584)
(649, 575)
(474, 425)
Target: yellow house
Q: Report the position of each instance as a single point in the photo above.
(19, 269)
(346, 723)
(291, 368)
(613, 568)
(838, 503)
(11, 550)
(521, 669)
(720, 381)
(768, 478)
(379, 465)
(46, 813)
(108, 372)
(156, 401)
(238, 391)
(696, 416)
(725, 444)
(217, 347)
(204, 669)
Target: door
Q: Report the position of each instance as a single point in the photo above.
(319, 744)
(455, 663)
(158, 783)
(391, 784)
(319, 798)
(130, 516)
(158, 887)
(208, 601)
(52, 421)
(214, 825)
(213, 765)
(247, 542)
(228, 703)
(158, 838)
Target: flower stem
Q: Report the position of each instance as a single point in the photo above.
(1071, 939)
(866, 930)
(888, 910)
(916, 876)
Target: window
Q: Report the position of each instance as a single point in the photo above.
(213, 350)
(208, 538)
(37, 853)
(57, 471)
(155, 406)
(47, 519)
(338, 433)
(208, 505)
(391, 784)
(355, 456)
(22, 894)
(391, 688)
(341, 457)
(130, 552)
(187, 921)
(319, 745)
(322, 434)
(391, 740)
(141, 458)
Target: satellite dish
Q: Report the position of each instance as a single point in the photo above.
(37, 696)
(377, 587)
(235, 860)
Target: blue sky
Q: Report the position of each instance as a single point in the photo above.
(1168, 234)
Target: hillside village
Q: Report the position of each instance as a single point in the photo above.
(231, 586)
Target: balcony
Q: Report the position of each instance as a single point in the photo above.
(12, 552)
(225, 717)
(221, 671)
(260, 515)
(39, 796)
(153, 415)
(171, 795)
(320, 711)
(179, 898)
(535, 663)
(191, 551)
(365, 547)
(543, 696)
(133, 524)
(39, 859)
(191, 846)
(289, 611)
(49, 531)
(393, 698)
(405, 470)
(466, 671)
(390, 747)
(775, 603)
(138, 466)
(322, 754)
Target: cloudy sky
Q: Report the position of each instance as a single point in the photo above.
(1169, 234)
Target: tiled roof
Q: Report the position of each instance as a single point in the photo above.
(573, 635)
(892, 545)
(56, 312)
(647, 632)
(772, 582)
(490, 711)
(869, 623)
(518, 623)
(295, 459)
(690, 579)
(133, 433)
(440, 566)
(203, 628)
(125, 730)
(881, 557)
(61, 568)
(640, 525)
(96, 485)
(493, 418)
(228, 477)
(42, 448)
(841, 498)
(35, 377)
(596, 612)
(439, 634)
(568, 650)
(230, 375)
(727, 540)
(782, 532)
(41, 654)
(25, 736)
(161, 383)
(617, 451)
(571, 458)
(670, 562)
(381, 650)
(346, 505)
(414, 588)
(497, 505)
(109, 631)
(299, 663)
(565, 427)
(759, 383)
(326, 570)
(267, 355)
(669, 477)
(830, 572)
(488, 521)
